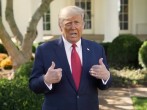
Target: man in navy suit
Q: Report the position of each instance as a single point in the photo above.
(52, 70)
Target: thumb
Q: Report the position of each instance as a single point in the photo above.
(53, 65)
(101, 61)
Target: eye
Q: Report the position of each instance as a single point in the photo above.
(76, 22)
(68, 24)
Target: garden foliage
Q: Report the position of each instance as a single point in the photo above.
(143, 55)
(123, 51)
(16, 95)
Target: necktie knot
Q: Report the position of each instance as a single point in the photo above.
(74, 45)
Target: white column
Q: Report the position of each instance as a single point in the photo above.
(111, 20)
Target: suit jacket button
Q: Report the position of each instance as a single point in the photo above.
(78, 97)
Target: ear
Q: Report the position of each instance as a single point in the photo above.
(83, 25)
(60, 27)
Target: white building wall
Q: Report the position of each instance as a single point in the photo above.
(106, 19)
(139, 17)
(55, 7)
(99, 15)
(104, 13)
(22, 14)
(34, 5)
(111, 20)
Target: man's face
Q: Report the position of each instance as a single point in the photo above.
(72, 28)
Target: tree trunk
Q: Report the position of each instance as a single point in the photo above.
(23, 52)
(31, 30)
(16, 55)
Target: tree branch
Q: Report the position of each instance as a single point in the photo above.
(16, 55)
(31, 30)
(11, 21)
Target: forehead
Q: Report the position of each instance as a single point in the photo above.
(73, 18)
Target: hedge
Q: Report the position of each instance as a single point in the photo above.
(143, 55)
(16, 95)
(123, 51)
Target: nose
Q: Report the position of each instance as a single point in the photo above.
(73, 25)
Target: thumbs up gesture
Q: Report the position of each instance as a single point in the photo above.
(53, 75)
(100, 71)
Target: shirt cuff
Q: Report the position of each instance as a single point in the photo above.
(49, 86)
(105, 81)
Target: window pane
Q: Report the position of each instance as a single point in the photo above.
(122, 1)
(77, 4)
(87, 24)
(86, 5)
(126, 2)
(123, 15)
(88, 14)
(126, 8)
(46, 21)
(83, 5)
(121, 25)
(47, 18)
(121, 9)
(125, 26)
(120, 17)
(48, 26)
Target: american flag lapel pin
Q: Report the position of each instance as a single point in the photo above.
(88, 49)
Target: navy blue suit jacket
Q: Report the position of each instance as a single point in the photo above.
(63, 95)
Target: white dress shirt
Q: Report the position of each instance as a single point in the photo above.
(68, 49)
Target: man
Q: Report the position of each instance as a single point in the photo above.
(68, 83)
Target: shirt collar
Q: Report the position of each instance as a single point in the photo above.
(68, 44)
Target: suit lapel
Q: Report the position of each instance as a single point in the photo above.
(86, 58)
(60, 52)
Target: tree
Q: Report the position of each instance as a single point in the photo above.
(23, 52)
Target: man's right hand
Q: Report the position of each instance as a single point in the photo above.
(53, 75)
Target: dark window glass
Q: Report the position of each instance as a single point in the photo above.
(125, 26)
(46, 21)
(123, 15)
(86, 5)
(126, 2)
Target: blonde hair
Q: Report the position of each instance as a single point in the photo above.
(70, 11)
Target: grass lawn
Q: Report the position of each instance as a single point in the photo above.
(140, 103)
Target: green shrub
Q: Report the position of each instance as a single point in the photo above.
(123, 51)
(106, 45)
(143, 55)
(24, 70)
(2, 49)
(33, 49)
(16, 95)
(41, 43)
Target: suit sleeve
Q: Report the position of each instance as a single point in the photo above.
(36, 81)
(101, 85)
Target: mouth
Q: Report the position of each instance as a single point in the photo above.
(73, 34)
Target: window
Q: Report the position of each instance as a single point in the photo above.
(123, 15)
(86, 5)
(46, 21)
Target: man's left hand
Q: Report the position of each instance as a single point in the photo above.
(100, 71)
